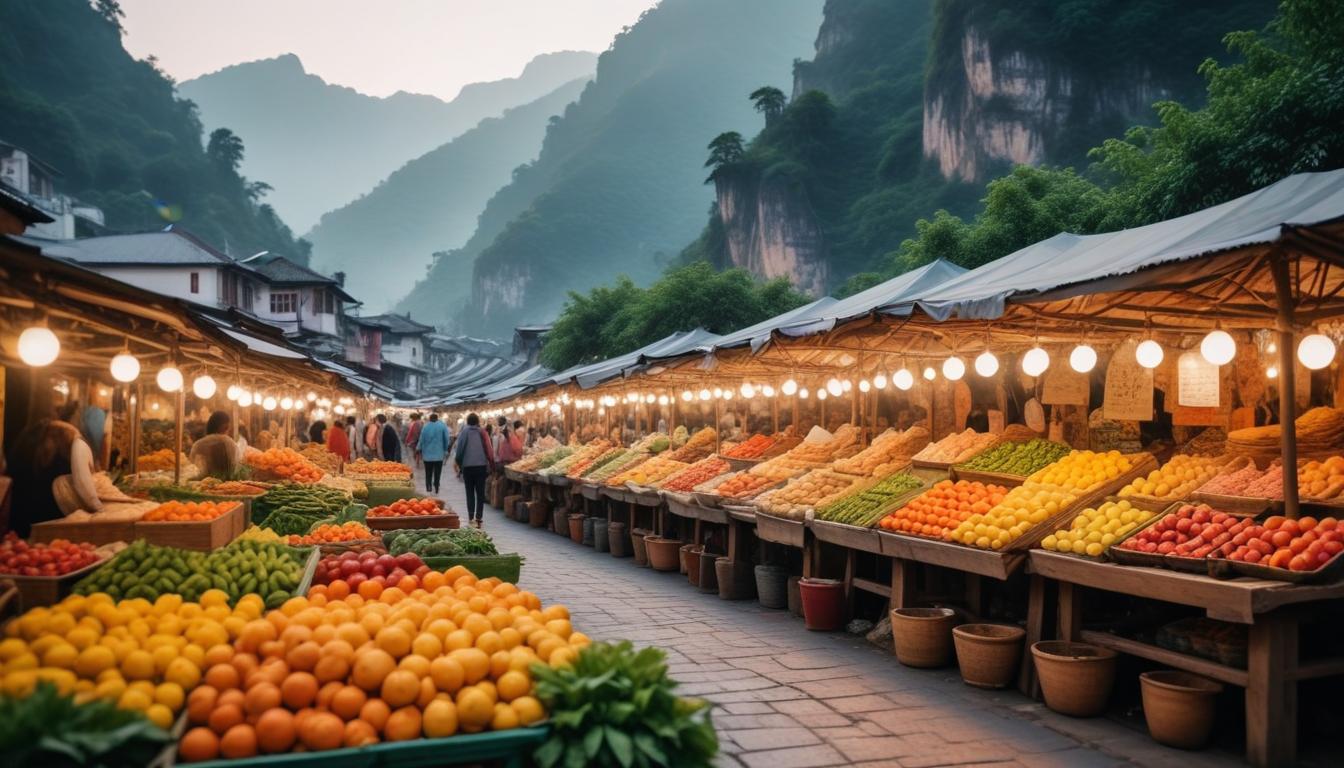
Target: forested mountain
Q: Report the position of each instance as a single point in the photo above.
(910, 105)
(389, 237)
(618, 183)
(71, 95)
(322, 145)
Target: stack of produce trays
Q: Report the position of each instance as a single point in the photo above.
(954, 448)
(815, 489)
(1180, 476)
(888, 453)
(939, 510)
(866, 507)
(685, 480)
(1009, 460)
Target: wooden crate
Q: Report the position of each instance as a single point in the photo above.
(97, 533)
(203, 535)
(35, 591)
(448, 519)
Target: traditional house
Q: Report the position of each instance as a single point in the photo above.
(390, 346)
(301, 301)
(35, 181)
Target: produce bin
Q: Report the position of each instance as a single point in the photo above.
(35, 591)
(504, 567)
(386, 493)
(512, 748)
(203, 535)
(448, 519)
(96, 533)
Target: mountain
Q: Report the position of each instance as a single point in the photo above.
(72, 96)
(618, 186)
(908, 106)
(322, 145)
(431, 205)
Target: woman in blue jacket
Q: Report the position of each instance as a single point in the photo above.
(432, 446)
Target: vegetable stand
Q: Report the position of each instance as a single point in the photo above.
(512, 749)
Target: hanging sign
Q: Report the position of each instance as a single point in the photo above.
(1129, 388)
(1197, 382)
(1034, 415)
(1065, 386)
(995, 421)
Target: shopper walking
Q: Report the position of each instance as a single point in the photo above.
(432, 446)
(474, 459)
(413, 437)
(371, 433)
(338, 439)
(389, 442)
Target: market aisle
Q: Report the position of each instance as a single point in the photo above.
(789, 698)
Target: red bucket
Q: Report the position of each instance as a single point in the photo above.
(823, 604)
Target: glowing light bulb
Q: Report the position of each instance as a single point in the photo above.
(233, 392)
(125, 367)
(245, 398)
(880, 381)
(1218, 347)
(803, 393)
(767, 390)
(1316, 351)
(169, 379)
(204, 387)
(338, 408)
(1149, 353)
(747, 391)
(1035, 361)
(311, 396)
(903, 379)
(664, 399)
(986, 364)
(705, 394)
(269, 403)
(821, 393)
(1083, 358)
(1272, 372)
(929, 373)
(687, 396)
(833, 387)
(954, 368)
(38, 346)
(864, 386)
(789, 387)
(287, 403)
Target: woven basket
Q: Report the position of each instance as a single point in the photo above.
(923, 636)
(737, 580)
(709, 575)
(1076, 678)
(637, 546)
(618, 540)
(772, 586)
(988, 653)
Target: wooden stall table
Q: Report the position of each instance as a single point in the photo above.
(1271, 609)
(732, 518)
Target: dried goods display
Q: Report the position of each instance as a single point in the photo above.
(1319, 431)
(1095, 529)
(356, 488)
(1322, 480)
(541, 459)
(1210, 442)
(332, 533)
(1019, 433)
(751, 448)
(243, 567)
(56, 558)
(417, 507)
(588, 452)
(1021, 459)
(700, 445)
(1177, 478)
(188, 511)
(1269, 485)
(889, 452)
(1304, 544)
(630, 460)
(956, 448)
(785, 467)
(814, 489)
(655, 442)
(159, 461)
(216, 487)
(1021, 509)
(649, 472)
(585, 468)
(378, 468)
(1237, 482)
(319, 455)
(865, 507)
(1190, 531)
(741, 486)
(695, 474)
(943, 507)
(285, 464)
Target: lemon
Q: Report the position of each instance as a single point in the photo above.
(20, 682)
(138, 665)
(134, 699)
(110, 689)
(170, 695)
(183, 672)
(159, 715)
(11, 647)
(94, 660)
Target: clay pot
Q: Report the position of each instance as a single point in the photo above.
(1179, 707)
(988, 653)
(923, 636)
(641, 553)
(823, 604)
(1076, 678)
(664, 554)
(536, 513)
(576, 528)
(617, 540)
(692, 554)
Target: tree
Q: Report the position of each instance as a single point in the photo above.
(111, 12)
(769, 101)
(256, 190)
(225, 150)
(725, 151)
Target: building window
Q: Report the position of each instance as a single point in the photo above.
(325, 302)
(283, 303)
(249, 301)
(195, 282)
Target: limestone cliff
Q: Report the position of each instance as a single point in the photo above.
(770, 230)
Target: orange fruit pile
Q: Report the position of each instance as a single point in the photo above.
(408, 507)
(943, 507)
(329, 533)
(285, 463)
(377, 467)
(185, 511)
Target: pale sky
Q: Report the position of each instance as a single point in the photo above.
(377, 47)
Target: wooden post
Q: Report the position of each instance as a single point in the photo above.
(854, 410)
(718, 428)
(177, 433)
(1283, 290)
(774, 414)
(794, 423)
(134, 396)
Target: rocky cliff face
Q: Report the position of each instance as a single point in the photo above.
(771, 231)
(1004, 105)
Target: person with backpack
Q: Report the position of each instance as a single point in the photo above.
(474, 460)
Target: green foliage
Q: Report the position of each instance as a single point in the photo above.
(72, 96)
(725, 152)
(51, 730)
(617, 707)
(613, 320)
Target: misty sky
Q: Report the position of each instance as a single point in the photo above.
(377, 47)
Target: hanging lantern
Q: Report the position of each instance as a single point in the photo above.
(903, 379)
(986, 364)
(269, 403)
(929, 373)
(1218, 347)
(1149, 353)
(169, 379)
(821, 393)
(125, 367)
(705, 394)
(864, 386)
(1083, 358)
(245, 398)
(1035, 361)
(687, 396)
(954, 368)
(38, 346)
(802, 393)
(664, 400)
(767, 390)
(747, 391)
(204, 387)
(1272, 372)
(833, 387)
(880, 381)
(1316, 351)
(789, 387)
(311, 396)
(846, 385)
(287, 403)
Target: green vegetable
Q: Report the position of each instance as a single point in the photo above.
(52, 731)
(1021, 459)
(439, 541)
(866, 507)
(311, 501)
(616, 707)
(245, 566)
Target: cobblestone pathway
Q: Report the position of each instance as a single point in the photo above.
(789, 698)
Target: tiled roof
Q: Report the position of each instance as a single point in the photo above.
(20, 205)
(170, 248)
(393, 323)
(282, 271)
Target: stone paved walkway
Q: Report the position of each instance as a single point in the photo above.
(789, 698)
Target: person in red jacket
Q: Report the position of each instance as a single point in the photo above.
(413, 436)
(338, 441)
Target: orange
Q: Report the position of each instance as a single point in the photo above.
(221, 677)
(546, 648)
(563, 656)
(347, 702)
(440, 628)
(427, 644)
(488, 687)
(560, 627)
(298, 690)
(511, 685)
(322, 730)
(276, 731)
(504, 719)
(359, 733)
(371, 666)
(238, 742)
(477, 624)
(511, 638)
(459, 638)
(219, 654)
(233, 696)
(375, 712)
(255, 633)
(370, 590)
(447, 674)
(579, 640)
(489, 642)
(400, 687)
(428, 690)
(394, 640)
(261, 697)
(295, 634)
(332, 666)
(200, 703)
(499, 663)
(304, 656)
(198, 744)
(433, 580)
(475, 663)
(529, 709)
(324, 694)
(439, 719)
(555, 612)
(474, 708)
(225, 717)
(499, 618)
(403, 724)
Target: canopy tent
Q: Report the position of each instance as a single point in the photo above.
(759, 334)
(880, 298)
(590, 375)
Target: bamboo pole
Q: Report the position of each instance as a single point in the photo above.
(718, 428)
(177, 431)
(774, 415)
(1287, 383)
(133, 397)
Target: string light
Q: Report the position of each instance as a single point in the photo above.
(834, 387)
(767, 390)
(705, 394)
(125, 367)
(864, 386)
(821, 393)
(789, 387)
(311, 396)
(38, 346)
(880, 381)
(1149, 353)
(1218, 347)
(846, 385)
(245, 398)
(1083, 358)
(903, 379)
(687, 396)
(269, 403)
(204, 387)
(1272, 372)
(1316, 351)
(954, 368)
(287, 403)
(169, 379)
(986, 364)
(233, 392)
(802, 393)
(1035, 361)
(747, 391)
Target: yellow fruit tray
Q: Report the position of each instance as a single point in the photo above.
(1159, 509)
(1144, 464)
(1230, 464)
